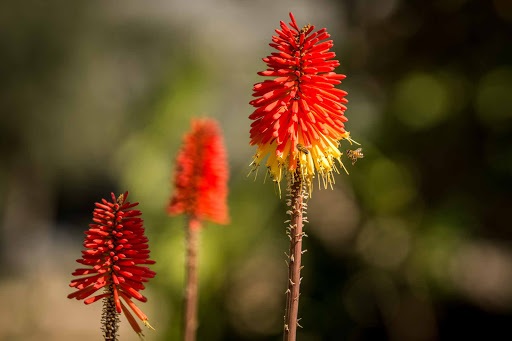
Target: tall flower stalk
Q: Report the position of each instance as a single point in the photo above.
(200, 182)
(298, 123)
(116, 249)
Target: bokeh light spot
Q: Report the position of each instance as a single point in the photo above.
(384, 242)
(335, 217)
(389, 186)
(483, 271)
(421, 101)
(494, 100)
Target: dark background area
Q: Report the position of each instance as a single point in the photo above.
(415, 244)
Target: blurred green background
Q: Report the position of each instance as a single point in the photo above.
(414, 245)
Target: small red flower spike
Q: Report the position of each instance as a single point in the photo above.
(200, 193)
(201, 175)
(299, 116)
(115, 251)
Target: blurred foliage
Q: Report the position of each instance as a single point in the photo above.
(414, 245)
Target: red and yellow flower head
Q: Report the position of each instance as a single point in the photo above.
(299, 116)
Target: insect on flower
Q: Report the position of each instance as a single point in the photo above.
(353, 155)
(303, 149)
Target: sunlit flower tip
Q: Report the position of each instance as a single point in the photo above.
(299, 116)
(116, 250)
(201, 175)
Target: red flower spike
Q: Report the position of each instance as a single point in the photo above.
(201, 175)
(115, 249)
(299, 116)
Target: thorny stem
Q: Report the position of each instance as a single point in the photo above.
(297, 193)
(109, 316)
(190, 303)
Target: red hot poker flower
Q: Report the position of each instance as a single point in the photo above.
(200, 193)
(116, 250)
(201, 175)
(299, 116)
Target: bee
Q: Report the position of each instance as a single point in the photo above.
(303, 149)
(302, 34)
(355, 154)
(305, 28)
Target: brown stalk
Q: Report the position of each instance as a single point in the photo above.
(297, 207)
(109, 317)
(191, 280)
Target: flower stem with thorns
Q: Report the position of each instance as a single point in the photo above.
(297, 195)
